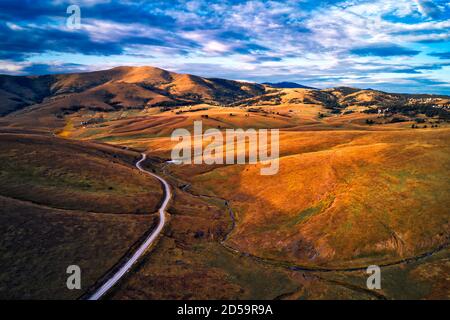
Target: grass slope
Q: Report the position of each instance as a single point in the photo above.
(64, 203)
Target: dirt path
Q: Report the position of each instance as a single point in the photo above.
(142, 249)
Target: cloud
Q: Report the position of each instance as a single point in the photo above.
(417, 69)
(441, 55)
(384, 50)
(259, 40)
(428, 8)
(268, 59)
(251, 48)
(430, 82)
(46, 68)
(23, 43)
(214, 46)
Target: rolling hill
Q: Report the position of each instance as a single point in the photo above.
(66, 202)
(362, 181)
(44, 101)
(121, 87)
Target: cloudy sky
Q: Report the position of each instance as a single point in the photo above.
(392, 45)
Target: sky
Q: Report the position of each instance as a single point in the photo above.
(390, 45)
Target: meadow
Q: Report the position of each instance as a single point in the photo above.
(66, 203)
(357, 185)
(348, 194)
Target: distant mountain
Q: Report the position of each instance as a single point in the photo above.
(287, 85)
(44, 101)
(348, 96)
(118, 88)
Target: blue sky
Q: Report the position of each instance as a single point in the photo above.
(392, 45)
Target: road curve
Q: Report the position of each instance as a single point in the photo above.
(144, 246)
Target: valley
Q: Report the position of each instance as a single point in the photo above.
(363, 179)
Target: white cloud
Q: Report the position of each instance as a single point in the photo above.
(428, 8)
(103, 30)
(216, 47)
(14, 26)
(10, 67)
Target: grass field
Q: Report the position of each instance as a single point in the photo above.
(346, 210)
(190, 263)
(76, 176)
(39, 243)
(348, 194)
(66, 203)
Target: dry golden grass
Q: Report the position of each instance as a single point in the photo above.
(189, 263)
(335, 201)
(69, 175)
(347, 194)
(63, 203)
(339, 203)
(38, 243)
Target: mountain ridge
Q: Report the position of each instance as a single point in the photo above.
(144, 86)
(288, 85)
(124, 87)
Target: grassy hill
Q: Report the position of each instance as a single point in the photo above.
(44, 101)
(47, 97)
(362, 181)
(64, 203)
(348, 194)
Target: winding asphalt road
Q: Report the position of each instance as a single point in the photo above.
(144, 246)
